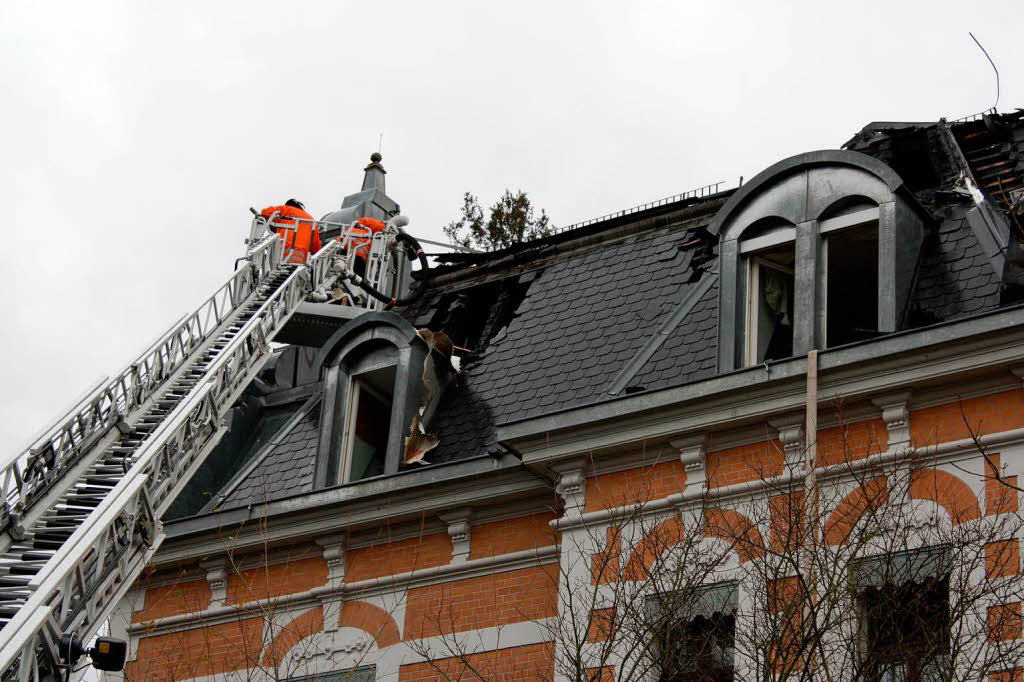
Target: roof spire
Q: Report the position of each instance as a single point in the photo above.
(373, 175)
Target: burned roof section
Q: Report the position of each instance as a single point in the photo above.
(630, 304)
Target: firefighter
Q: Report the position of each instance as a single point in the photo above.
(362, 232)
(296, 227)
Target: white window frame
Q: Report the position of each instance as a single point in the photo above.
(828, 228)
(753, 296)
(355, 389)
(849, 220)
(774, 237)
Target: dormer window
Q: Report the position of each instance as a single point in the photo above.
(769, 259)
(818, 251)
(379, 396)
(371, 400)
(850, 254)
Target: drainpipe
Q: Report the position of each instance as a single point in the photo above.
(810, 499)
(811, 423)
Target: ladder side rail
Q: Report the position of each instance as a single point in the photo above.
(264, 324)
(230, 372)
(26, 654)
(376, 265)
(63, 444)
(52, 588)
(52, 492)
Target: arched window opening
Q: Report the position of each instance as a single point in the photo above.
(371, 397)
(769, 255)
(850, 262)
(373, 374)
(769, 302)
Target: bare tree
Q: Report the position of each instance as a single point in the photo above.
(874, 566)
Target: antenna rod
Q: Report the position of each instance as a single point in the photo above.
(983, 51)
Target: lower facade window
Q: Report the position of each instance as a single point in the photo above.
(696, 634)
(906, 629)
(700, 650)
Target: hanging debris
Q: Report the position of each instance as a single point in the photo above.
(438, 372)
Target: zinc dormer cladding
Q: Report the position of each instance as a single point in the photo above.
(798, 198)
(653, 301)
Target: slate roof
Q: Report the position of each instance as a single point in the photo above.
(580, 322)
(554, 326)
(956, 277)
(282, 468)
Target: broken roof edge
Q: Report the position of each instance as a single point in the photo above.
(882, 126)
(597, 234)
(587, 228)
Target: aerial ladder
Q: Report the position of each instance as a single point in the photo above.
(81, 505)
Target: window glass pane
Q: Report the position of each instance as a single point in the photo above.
(770, 305)
(851, 297)
(696, 633)
(368, 433)
(907, 626)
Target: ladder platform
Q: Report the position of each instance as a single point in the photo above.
(313, 323)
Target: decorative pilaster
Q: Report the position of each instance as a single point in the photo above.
(460, 530)
(694, 456)
(335, 557)
(217, 577)
(896, 416)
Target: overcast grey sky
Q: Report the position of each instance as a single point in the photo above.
(135, 135)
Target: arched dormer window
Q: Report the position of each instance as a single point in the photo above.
(372, 370)
(817, 251)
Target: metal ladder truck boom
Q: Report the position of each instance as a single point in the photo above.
(81, 506)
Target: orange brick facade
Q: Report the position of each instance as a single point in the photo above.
(533, 663)
(199, 652)
(518, 595)
(958, 420)
(513, 535)
(401, 556)
(515, 596)
(276, 580)
(168, 600)
(746, 463)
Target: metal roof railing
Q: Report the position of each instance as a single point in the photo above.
(973, 117)
(699, 192)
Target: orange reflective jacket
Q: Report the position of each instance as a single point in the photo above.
(363, 235)
(299, 240)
